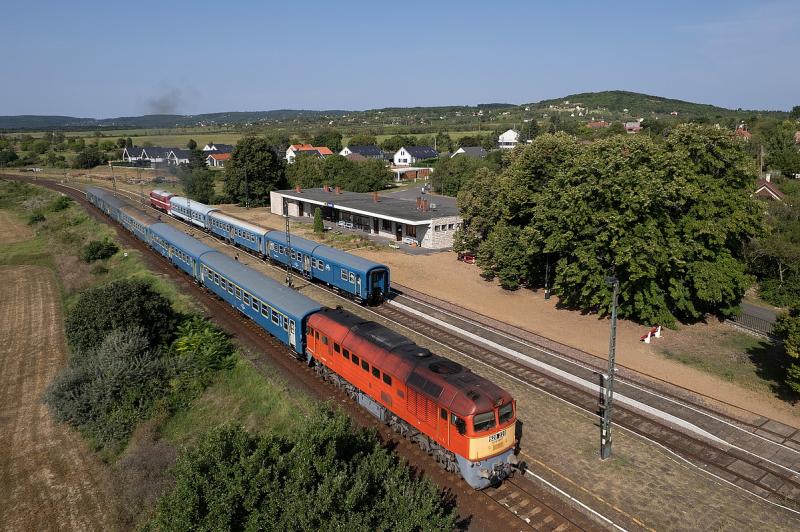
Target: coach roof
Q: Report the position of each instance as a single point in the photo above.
(303, 244)
(189, 244)
(267, 290)
(232, 220)
(353, 262)
(196, 206)
(138, 215)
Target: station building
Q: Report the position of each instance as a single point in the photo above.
(424, 221)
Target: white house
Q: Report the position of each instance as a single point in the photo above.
(508, 140)
(176, 157)
(133, 154)
(369, 152)
(408, 156)
(219, 148)
(217, 160)
(476, 152)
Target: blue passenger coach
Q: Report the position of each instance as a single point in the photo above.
(136, 222)
(237, 231)
(191, 211)
(279, 310)
(361, 278)
(182, 250)
(105, 201)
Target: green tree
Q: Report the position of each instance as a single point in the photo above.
(450, 173)
(319, 226)
(253, 171)
(480, 208)
(8, 157)
(782, 152)
(327, 474)
(129, 142)
(337, 171)
(330, 138)
(121, 143)
(89, 157)
(192, 145)
(370, 176)
(529, 130)
(306, 171)
(98, 311)
(795, 112)
(394, 143)
(787, 327)
(362, 140)
(197, 183)
(444, 142)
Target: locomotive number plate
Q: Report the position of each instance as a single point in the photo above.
(497, 437)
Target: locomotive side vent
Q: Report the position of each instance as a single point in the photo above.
(445, 367)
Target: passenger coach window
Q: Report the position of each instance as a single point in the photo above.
(344, 275)
(506, 411)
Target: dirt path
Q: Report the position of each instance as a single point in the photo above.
(12, 230)
(50, 480)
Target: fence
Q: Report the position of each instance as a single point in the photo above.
(754, 324)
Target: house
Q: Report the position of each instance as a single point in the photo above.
(508, 140)
(177, 157)
(133, 154)
(220, 148)
(156, 154)
(356, 157)
(408, 156)
(476, 152)
(633, 127)
(217, 160)
(742, 133)
(765, 189)
(294, 149)
(598, 124)
(797, 137)
(370, 152)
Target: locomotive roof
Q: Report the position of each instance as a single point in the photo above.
(196, 206)
(268, 290)
(163, 193)
(138, 215)
(179, 239)
(326, 252)
(236, 222)
(447, 382)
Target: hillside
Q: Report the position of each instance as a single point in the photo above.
(606, 104)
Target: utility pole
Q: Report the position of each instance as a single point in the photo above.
(113, 178)
(608, 384)
(288, 244)
(246, 192)
(547, 278)
(141, 192)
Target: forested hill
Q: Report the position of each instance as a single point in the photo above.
(607, 105)
(642, 104)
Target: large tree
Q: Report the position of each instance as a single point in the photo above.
(330, 138)
(668, 219)
(362, 139)
(253, 171)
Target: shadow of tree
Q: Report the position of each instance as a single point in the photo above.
(770, 361)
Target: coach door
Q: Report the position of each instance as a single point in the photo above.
(307, 266)
(358, 284)
(292, 341)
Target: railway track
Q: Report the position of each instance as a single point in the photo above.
(762, 477)
(515, 506)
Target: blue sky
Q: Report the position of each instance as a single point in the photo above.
(107, 59)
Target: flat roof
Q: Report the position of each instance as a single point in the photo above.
(389, 208)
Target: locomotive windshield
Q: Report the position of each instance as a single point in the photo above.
(506, 412)
(484, 421)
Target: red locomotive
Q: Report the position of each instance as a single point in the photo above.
(465, 421)
(160, 199)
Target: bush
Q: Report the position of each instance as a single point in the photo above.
(787, 327)
(61, 203)
(319, 226)
(120, 304)
(35, 218)
(99, 250)
(327, 475)
(99, 269)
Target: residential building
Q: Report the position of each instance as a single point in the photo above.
(476, 152)
(156, 155)
(598, 124)
(765, 189)
(508, 140)
(133, 154)
(177, 157)
(412, 154)
(742, 133)
(293, 150)
(369, 152)
(797, 137)
(221, 148)
(429, 223)
(217, 160)
(633, 127)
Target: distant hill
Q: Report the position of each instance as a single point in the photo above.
(642, 104)
(609, 104)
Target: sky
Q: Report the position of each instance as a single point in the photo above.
(108, 59)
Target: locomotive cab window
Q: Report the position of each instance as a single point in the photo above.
(324, 340)
(459, 423)
(443, 413)
(336, 348)
(484, 421)
(346, 354)
(506, 412)
(355, 359)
